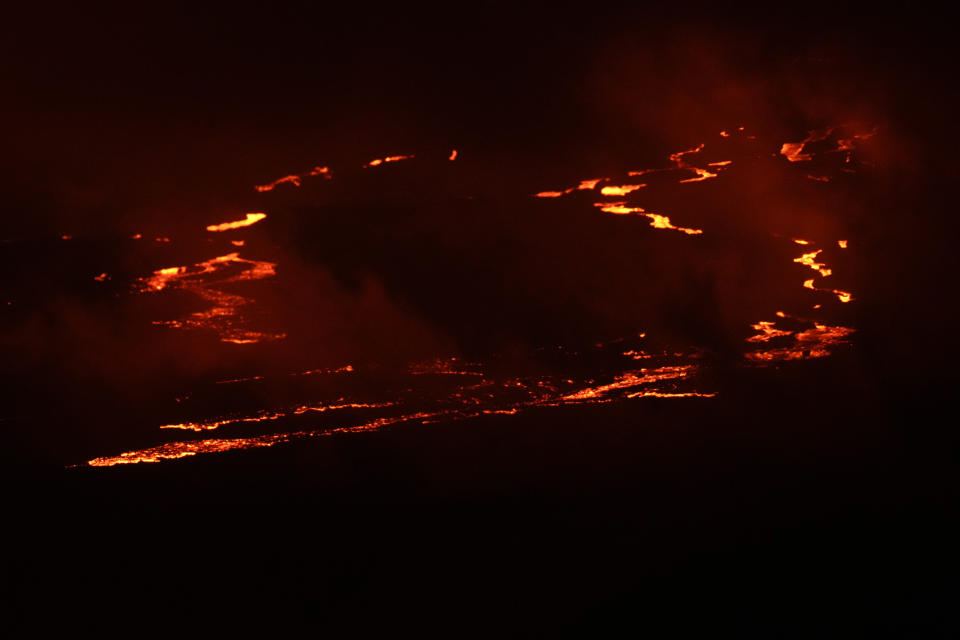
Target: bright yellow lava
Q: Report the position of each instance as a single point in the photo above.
(622, 190)
(657, 221)
(252, 218)
(810, 260)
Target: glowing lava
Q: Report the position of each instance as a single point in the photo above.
(657, 221)
(620, 190)
(816, 342)
(378, 161)
(295, 179)
(810, 260)
(252, 218)
(629, 380)
(702, 174)
(205, 279)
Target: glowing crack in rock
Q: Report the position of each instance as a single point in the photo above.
(205, 280)
(796, 151)
(842, 296)
(265, 416)
(312, 372)
(810, 260)
(816, 342)
(657, 221)
(215, 424)
(629, 380)
(451, 366)
(793, 151)
(322, 408)
(236, 380)
(485, 397)
(174, 450)
(842, 244)
(251, 218)
(453, 155)
(662, 394)
(767, 332)
(702, 174)
(378, 161)
(295, 179)
(584, 185)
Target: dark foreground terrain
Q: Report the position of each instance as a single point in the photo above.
(784, 508)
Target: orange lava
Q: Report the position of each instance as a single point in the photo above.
(657, 221)
(842, 296)
(702, 174)
(378, 161)
(793, 151)
(174, 450)
(205, 279)
(295, 179)
(796, 151)
(251, 218)
(620, 190)
(629, 380)
(767, 332)
(451, 366)
(810, 260)
(816, 342)
(453, 155)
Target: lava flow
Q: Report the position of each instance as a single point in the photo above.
(250, 219)
(206, 279)
(294, 179)
(452, 388)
